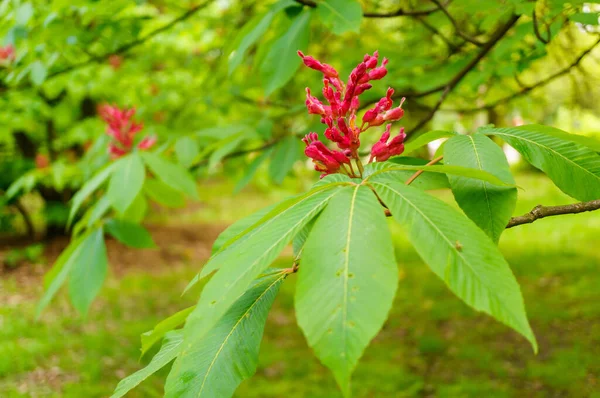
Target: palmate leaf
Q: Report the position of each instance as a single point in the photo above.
(458, 252)
(489, 206)
(169, 350)
(573, 167)
(228, 354)
(346, 281)
(241, 264)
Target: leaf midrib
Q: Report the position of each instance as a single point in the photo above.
(283, 275)
(452, 246)
(485, 190)
(346, 272)
(551, 150)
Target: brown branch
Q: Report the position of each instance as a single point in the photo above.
(527, 89)
(400, 12)
(26, 218)
(451, 46)
(485, 49)
(536, 29)
(419, 172)
(455, 24)
(547, 211)
(120, 50)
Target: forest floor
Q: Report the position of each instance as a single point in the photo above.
(431, 346)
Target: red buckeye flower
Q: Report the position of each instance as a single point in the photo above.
(7, 53)
(122, 128)
(340, 117)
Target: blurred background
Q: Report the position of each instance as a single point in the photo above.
(220, 86)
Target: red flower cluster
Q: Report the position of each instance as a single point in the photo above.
(122, 128)
(340, 117)
(7, 53)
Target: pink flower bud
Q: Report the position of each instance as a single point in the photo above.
(147, 143)
(362, 88)
(7, 53)
(327, 70)
(370, 115)
(314, 106)
(380, 72)
(393, 114)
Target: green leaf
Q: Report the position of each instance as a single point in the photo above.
(586, 18)
(458, 252)
(389, 169)
(281, 62)
(126, 182)
(232, 235)
(98, 210)
(340, 16)
(489, 206)
(169, 350)
(163, 194)
(153, 336)
(284, 156)
(57, 276)
(89, 271)
(38, 73)
(251, 170)
(130, 234)
(244, 262)
(253, 31)
(229, 354)
(224, 148)
(424, 139)
(88, 189)
(426, 181)
(137, 211)
(346, 281)
(238, 230)
(300, 238)
(187, 151)
(574, 168)
(171, 174)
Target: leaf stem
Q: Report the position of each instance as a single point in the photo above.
(419, 172)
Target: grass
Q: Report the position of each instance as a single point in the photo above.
(431, 346)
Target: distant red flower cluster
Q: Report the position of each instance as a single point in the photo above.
(122, 128)
(7, 53)
(340, 116)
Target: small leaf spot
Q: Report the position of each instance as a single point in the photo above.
(213, 302)
(350, 275)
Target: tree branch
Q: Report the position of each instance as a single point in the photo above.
(536, 29)
(400, 12)
(547, 211)
(527, 89)
(485, 49)
(455, 24)
(120, 50)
